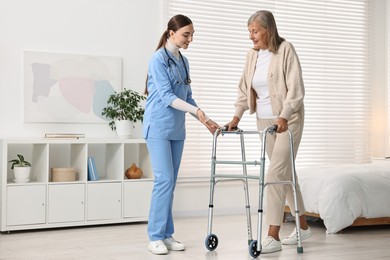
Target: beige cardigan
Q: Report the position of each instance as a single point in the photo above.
(286, 89)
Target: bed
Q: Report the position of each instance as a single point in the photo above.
(347, 195)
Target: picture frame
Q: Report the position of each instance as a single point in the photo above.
(68, 88)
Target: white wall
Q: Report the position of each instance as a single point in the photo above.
(192, 198)
(379, 76)
(124, 28)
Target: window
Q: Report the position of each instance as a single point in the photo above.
(331, 40)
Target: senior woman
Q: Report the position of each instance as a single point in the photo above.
(272, 87)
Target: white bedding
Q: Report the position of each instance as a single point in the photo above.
(342, 193)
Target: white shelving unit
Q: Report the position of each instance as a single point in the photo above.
(42, 203)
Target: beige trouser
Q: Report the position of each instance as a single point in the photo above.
(280, 169)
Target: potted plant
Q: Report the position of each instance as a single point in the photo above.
(21, 169)
(124, 109)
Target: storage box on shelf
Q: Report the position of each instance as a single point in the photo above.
(44, 202)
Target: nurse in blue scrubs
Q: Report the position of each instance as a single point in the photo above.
(169, 98)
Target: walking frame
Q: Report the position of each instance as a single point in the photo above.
(255, 246)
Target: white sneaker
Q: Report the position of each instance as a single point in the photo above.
(174, 245)
(270, 245)
(158, 247)
(292, 239)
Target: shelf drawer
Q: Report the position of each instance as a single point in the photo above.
(104, 201)
(66, 203)
(26, 204)
(136, 198)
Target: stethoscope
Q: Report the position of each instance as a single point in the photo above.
(169, 60)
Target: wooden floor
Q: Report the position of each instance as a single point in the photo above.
(129, 241)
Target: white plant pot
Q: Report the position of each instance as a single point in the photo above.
(22, 174)
(124, 128)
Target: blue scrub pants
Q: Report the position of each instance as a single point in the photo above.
(165, 157)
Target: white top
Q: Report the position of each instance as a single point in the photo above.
(260, 85)
(172, 48)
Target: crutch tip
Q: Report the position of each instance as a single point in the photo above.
(300, 250)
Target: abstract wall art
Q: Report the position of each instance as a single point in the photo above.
(68, 88)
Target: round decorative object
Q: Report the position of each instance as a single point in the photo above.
(134, 172)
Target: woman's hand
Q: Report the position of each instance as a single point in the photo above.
(282, 125)
(201, 116)
(212, 126)
(232, 125)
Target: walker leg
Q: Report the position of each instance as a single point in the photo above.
(246, 190)
(294, 187)
(211, 206)
(211, 241)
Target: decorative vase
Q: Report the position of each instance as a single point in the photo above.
(134, 172)
(124, 128)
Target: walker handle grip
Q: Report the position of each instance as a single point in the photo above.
(226, 127)
(272, 129)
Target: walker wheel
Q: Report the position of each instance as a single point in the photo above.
(211, 242)
(253, 249)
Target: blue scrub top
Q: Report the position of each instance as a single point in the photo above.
(165, 84)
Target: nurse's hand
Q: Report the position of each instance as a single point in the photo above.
(212, 126)
(201, 116)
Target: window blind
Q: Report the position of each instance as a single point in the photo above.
(331, 39)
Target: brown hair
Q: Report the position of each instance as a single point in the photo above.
(266, 20)
(175, 23)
